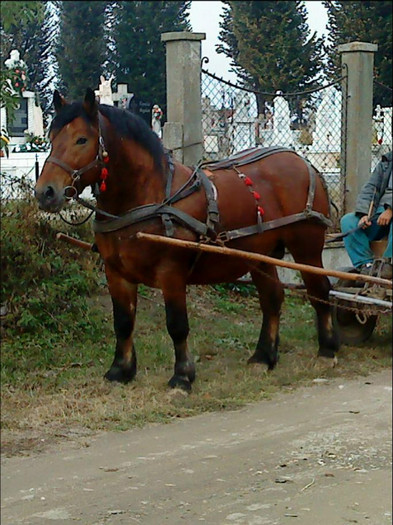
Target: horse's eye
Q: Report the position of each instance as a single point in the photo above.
(82, 140)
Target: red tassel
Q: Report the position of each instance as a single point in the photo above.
(106, 159)
(248, 181)
(256, 195)
(104, 173)
(261, 211)
(103, 186)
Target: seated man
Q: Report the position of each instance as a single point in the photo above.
(373, 217)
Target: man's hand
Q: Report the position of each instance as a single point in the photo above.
(364, 222)
(385, 217)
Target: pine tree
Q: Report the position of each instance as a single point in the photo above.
(81, 48)
(363, 21)
(270, 46)
(139, 55)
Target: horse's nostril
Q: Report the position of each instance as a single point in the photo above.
(49, 193)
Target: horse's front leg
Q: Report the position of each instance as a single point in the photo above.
(124, 300)
(178, 328)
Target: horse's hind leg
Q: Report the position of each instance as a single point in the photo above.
(178, 328)
(124, 300)
(318, 286)
(271, 296)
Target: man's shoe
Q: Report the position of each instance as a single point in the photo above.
(365, 269)
(386, 271)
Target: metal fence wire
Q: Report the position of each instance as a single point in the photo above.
(310, 122)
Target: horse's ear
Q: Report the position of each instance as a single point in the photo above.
(58, 101)
(90, 103)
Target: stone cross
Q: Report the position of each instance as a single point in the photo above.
(104, 92)
(122, 97)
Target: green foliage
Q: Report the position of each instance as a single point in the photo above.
(243, 289)
(139, 58)
(35, 42)
(17, 13)
(45, 284)
(81, 49)
(363, 21)
(270, 46)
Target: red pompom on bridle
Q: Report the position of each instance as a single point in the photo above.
(104, 171)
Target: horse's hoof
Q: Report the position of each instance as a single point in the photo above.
(120, 375)
(326, 362)
(180, 382)
(254, 360)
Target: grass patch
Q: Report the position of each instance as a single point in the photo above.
(58, 341)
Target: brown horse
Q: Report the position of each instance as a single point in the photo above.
(261, 200)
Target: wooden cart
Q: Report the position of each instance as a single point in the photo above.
(358, 305)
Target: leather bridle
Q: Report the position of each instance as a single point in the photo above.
(76, 174)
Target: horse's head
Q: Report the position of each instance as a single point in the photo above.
(75, 158)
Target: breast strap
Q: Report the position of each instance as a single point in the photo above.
(168, 213)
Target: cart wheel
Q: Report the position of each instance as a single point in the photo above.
(353, 328)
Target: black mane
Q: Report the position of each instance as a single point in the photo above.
(127, 125)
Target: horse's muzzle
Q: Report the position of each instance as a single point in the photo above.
(49, 199)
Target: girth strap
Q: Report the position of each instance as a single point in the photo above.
(227, 236)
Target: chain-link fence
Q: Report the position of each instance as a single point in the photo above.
(234, 119)
(382, 128)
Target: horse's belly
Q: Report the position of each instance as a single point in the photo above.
(211, 269)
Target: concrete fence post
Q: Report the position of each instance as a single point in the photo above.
(357, 60)
(183, 129)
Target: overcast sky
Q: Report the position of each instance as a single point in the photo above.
(205, 17)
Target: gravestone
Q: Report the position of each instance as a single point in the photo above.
(19, 124)
(243, 124)
(126, 100)
(282, 133)
(327, 134)
(28, 114)
(141, 108)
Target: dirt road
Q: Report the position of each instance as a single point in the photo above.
(318, 455)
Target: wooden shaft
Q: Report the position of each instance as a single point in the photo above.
(76, 242)
(256, 257)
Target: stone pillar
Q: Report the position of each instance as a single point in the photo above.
(357, 60)
(183, 129)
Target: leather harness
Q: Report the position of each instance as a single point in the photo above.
(208, 230)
